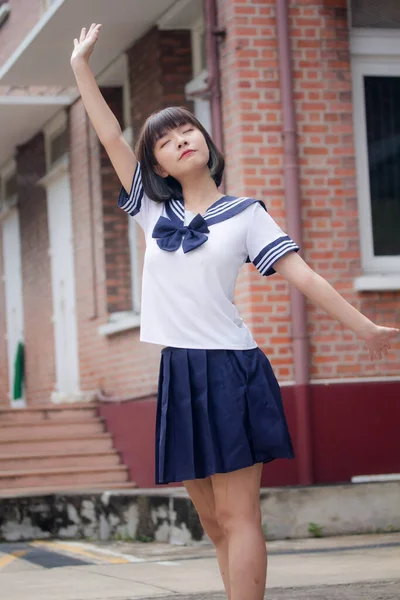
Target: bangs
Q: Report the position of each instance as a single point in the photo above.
(160, 123)
(155, 127)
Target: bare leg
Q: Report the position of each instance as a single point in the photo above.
(202, 495)
(237, 505)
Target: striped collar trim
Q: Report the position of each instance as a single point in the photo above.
(224, 208)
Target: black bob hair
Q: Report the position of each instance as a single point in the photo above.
(156, 125)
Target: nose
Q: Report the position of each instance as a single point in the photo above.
(182, 142)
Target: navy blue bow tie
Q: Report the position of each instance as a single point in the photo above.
(171, 235)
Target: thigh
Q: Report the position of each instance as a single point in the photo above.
(237, 495)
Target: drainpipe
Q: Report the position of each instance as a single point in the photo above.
(294, 228)
(212, 35)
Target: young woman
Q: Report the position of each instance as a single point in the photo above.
(219, 411)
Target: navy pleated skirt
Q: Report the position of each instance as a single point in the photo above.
(217, 411)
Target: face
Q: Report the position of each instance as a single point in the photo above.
(180, 151)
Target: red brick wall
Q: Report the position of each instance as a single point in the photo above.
(24, 14)
(253, 128)
(160, 64)
(176, 66)
(3, 342)
(36, 274)
(145, 77)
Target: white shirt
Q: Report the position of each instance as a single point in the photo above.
(187, 297)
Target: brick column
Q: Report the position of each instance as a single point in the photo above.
(36, 273)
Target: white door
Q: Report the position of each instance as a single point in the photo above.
(63, 286)
(13, 293)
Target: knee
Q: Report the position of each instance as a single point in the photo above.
(212, 528)
(230, 520)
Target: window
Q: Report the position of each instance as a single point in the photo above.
(370, 13)
(56, 139)
(382, 110)
(8, 186)
(376, 99)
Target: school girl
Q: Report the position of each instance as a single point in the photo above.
(219, 410)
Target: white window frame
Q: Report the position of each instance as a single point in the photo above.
(8, 170)
(197, 32)
(374, 52)
(53, 129)
(193, 88)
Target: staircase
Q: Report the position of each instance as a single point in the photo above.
(57, 448)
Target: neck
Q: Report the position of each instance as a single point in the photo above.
(199, 191)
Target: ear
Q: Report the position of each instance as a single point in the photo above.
(160, 171)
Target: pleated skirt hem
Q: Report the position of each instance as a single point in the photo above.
(191, 476)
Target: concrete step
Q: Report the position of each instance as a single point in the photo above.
(67, 489)
(49, 429)
(30, 462)
(63, 477)
(49, 412)
(96, 442)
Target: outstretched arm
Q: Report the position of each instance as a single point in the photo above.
(293, 268)
(104, 121)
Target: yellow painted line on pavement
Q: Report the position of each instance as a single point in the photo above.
(9, 558)
(80, 551)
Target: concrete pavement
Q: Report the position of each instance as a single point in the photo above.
(351, 567)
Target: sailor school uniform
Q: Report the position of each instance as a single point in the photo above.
(219, 406)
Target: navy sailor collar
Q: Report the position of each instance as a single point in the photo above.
(224, 208)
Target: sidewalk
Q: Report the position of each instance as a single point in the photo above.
(349, 568)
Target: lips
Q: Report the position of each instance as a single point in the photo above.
(186, 153)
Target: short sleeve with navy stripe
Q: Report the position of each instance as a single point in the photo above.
(266, 243)
(136, 203)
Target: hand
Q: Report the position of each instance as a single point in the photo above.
(378, 340)
(83, 47)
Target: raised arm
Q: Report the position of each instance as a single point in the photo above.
(318, 290)
(104, 121)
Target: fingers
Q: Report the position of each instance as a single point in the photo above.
(94, 28)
